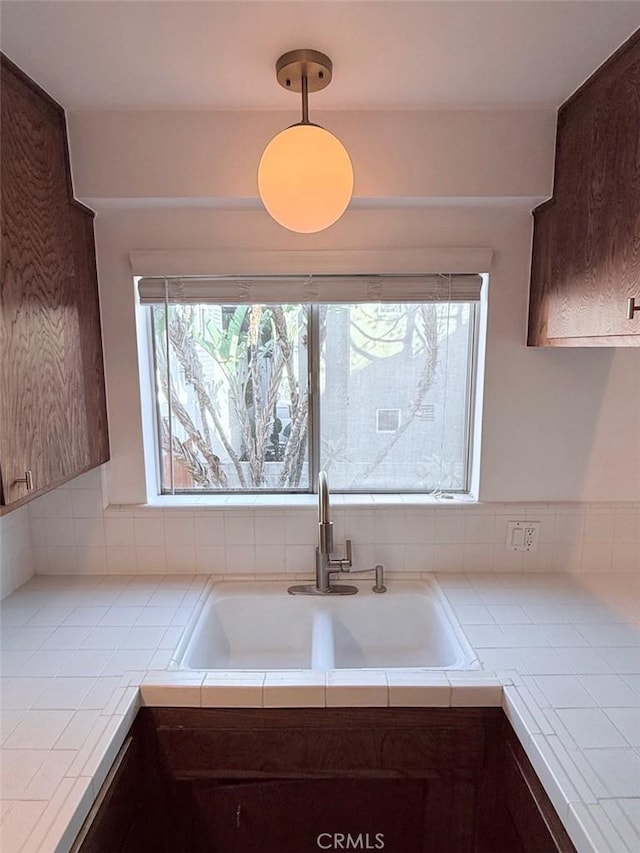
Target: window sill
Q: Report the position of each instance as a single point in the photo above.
(288, 501)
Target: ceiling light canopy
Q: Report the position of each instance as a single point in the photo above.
(305, 177)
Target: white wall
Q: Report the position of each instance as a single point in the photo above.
(558, 425)
(482, 154)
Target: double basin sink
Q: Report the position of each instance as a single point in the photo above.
(249, 626)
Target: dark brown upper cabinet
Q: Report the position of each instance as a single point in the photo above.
(586, 244)
(53, 422)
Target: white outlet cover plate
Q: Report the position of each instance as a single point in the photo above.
(523, 535)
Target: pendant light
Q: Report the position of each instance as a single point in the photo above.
(305, 177)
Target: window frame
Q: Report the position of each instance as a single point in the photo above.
(314, 438)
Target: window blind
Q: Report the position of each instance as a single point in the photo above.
(231, 290)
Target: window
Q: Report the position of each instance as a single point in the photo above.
(232, 397)
(258, 395)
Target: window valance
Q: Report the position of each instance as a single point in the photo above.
(432, 287)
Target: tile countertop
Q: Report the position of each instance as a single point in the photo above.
(561, 654)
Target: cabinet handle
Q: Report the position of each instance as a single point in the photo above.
(27, 480)
(632, 308)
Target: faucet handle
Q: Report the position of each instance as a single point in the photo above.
(379, 570)
(342, 564)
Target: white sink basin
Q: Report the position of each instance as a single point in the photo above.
(405, 629)
(251, 626)
(261, 626)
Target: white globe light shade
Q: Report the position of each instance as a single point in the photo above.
(305, 178)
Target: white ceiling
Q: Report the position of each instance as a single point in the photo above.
(207, 54)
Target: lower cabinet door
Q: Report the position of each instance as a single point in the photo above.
(112, 819)
(308, 816)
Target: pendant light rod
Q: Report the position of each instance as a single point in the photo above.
(305, 99)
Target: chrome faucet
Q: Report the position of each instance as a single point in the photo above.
(326, 563)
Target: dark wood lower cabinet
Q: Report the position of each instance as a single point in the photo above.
(536, 820)
(297, 815)
(304, 780)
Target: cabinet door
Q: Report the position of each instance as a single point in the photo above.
(92, 447)
(302, 816)
(112, 819)
(539, 828)
(51, 382)
(586, 264)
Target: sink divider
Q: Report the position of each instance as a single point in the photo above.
(322, 643)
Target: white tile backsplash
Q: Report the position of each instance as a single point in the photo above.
(627, 528)
(625, 557)
(17, 554)
(119, 532)
(179, 530)
(300, 528)
(149, 532)
(67, 531)
(87, 502)
(448, 557)
(209, 530)
(238, 529)
(57, 503)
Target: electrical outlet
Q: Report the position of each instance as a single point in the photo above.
(523, 535)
